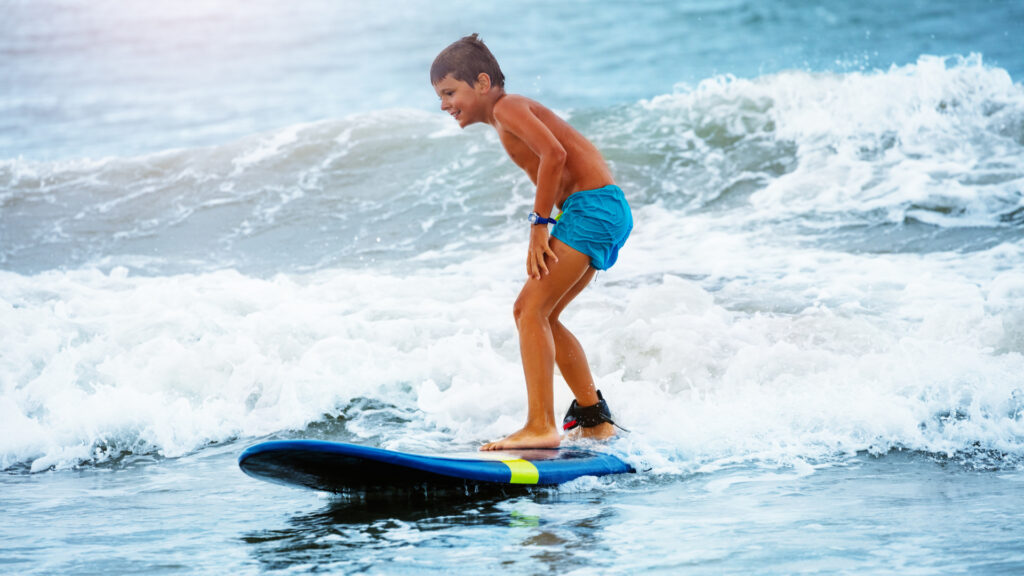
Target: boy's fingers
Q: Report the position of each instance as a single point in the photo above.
(535, 267)
(551, 251)
(536, 258)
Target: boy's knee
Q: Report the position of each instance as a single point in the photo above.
(523, 307)
(519, 308)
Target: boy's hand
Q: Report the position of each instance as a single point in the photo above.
(540, 247)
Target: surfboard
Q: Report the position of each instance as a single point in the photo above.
(340, 467)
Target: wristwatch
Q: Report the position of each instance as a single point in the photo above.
(536, 219)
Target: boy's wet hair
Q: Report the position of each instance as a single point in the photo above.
(465, 59)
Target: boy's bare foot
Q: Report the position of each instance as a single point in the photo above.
(526, 438)
(602, 431)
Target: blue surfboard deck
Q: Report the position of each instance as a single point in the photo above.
(340, 467)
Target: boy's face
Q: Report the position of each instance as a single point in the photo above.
(460, 99)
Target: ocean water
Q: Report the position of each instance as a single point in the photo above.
(226, 222)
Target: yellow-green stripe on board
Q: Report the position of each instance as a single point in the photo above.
(523, 472)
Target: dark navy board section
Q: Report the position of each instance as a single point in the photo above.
(338, 467)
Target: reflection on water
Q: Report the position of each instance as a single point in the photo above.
(540, 530)
(200, 515)
(865, 515)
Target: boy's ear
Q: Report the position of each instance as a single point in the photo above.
(483, 82)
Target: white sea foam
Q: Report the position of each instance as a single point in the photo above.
(937, 141)
(96, 361)
(98, 364)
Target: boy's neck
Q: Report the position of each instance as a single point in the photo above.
(492, 98)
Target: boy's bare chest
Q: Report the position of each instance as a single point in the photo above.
(520, 153)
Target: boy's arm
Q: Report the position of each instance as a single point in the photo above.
(517, 118)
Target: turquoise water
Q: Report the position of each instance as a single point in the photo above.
(223, 222)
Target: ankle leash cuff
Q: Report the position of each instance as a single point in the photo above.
(589, 416)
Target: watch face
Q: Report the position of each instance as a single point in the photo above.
(532, 217)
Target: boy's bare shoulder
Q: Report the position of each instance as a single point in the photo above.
(514, 101)
(513, 110)
(511, 105)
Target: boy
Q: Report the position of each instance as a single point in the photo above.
(595, 221)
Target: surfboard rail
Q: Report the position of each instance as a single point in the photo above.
(338, 466)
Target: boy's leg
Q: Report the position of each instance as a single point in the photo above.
(572, 361)
(569, 355)
(533, 310)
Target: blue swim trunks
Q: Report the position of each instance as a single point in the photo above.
(596, 223)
